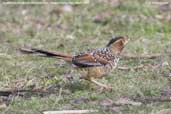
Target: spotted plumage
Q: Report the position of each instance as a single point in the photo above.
(95, 63)
(94, 58)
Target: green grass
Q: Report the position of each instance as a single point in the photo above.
(59, 1)
(51, 27)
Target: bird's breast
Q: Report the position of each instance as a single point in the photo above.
(100, 71)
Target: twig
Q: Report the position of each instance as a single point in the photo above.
(26, 50)
(140, 67)
(21, 92)
(149, 56)
(149, 99)
(131, 68)
(69, 112)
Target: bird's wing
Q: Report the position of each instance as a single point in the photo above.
(91, 59)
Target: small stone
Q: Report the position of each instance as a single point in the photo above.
(165, 63)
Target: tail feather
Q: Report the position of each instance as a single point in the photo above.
(47, 53)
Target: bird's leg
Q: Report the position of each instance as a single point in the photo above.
(100, 84)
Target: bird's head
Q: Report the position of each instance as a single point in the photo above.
(117, 44)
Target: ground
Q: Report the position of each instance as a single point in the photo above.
(75, 28)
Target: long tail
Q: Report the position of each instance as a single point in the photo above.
(65, 57)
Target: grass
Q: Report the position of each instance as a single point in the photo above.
(59, 1)
(83, 27)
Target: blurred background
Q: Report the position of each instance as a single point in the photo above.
(74, 28)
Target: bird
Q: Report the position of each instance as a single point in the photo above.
(93, 64)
